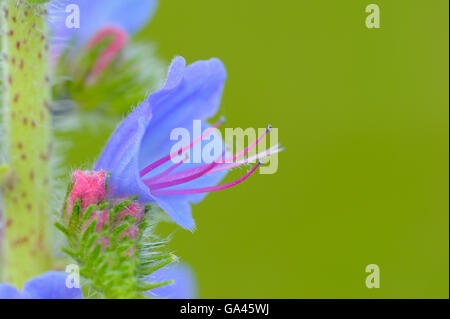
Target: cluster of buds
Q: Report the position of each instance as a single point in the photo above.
(88, 189)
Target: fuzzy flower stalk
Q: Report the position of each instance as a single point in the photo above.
(26, 115)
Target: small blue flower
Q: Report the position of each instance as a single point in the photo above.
(138, 155)
(50, 285)
(128, 15)
(183, 287)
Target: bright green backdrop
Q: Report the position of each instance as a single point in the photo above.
(363, 115)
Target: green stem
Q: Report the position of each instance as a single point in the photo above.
(26, 100)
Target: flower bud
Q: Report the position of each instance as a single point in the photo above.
(101, 218)
(105, 242)
(89, 187)
(132, 232)
(134, 210)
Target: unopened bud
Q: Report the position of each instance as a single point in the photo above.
(134, 210)
(89, 187)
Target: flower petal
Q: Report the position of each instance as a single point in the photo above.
(130, 15)
(190, 93)
(50, 285)
(184, 286)
(179, 207)
(9, 292)
(120, 156)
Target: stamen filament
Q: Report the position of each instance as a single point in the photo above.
(166, 192)
(165, 184)
(183, 174)
(153, 179)
(167, 158)
(274, 149)
(232, 158)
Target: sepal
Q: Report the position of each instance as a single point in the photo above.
(113, 259)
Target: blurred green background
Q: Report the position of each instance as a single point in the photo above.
(363, 115)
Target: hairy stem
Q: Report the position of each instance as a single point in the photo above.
(26, 100)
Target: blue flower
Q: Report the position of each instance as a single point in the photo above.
(50, 285)
(129, 16)
(138, 154)
(183, 287)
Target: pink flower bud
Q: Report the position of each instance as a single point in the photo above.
(120, 39)
(132, 232)
(101, 217)
(134, 210)
(104, 241)
(89, 186)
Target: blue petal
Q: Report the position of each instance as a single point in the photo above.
(50, 285)
(120, 156)
(184, 286)
(9, 292)
(129, 15)
(190, 93)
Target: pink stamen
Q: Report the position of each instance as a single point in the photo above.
(192, 171)
(120, 38)
(158, 177)
(215, 169)
(232, 158)
(167, 158)
(166, 179)
(272, 150)
(165, 184)
(184, 177)
(206, 189)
